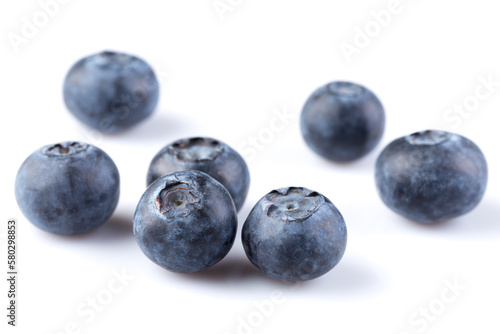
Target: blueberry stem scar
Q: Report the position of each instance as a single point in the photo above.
(294, 204)
(345, 89)
(428, 137)
(176, 197)
(196, 149)
(65, 148)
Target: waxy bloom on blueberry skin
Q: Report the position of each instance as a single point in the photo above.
(68, 188)
(431, 176)
(208, 155)
(294, 234)
(185, 221)
(111, 91)
(342, 121)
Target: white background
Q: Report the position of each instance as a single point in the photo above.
(226, 77)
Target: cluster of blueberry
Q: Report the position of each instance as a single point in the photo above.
(186, 220)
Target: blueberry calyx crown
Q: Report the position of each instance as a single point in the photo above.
(345, 89)
(106, 57)
(176, 199)
(195, 149)
(292, 203)
(428, 137)
(65, 148)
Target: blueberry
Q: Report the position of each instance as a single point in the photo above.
(111, 91)
(431, 176)
(294, 234)
(185, 221)
(68, 188)
(342, 121)
(209, 156)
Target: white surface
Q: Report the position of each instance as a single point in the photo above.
(224, 78)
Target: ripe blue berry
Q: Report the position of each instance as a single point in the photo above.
(68, 188)
(208, 155)
(185, 221)
(431, 176)
(111, 91)
(294, 234)
(342, 121)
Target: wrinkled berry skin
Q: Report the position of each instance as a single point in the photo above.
(294, 234)
(431, 176)
(185, 221)
(68, 188)
(342, 121)
(208, 155)
(111, 91)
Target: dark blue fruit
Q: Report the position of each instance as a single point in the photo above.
(208, 155)
(431, 176)
(111, 91)
(342, 121)
(68, 188)
(185, 221)
(294, 234)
